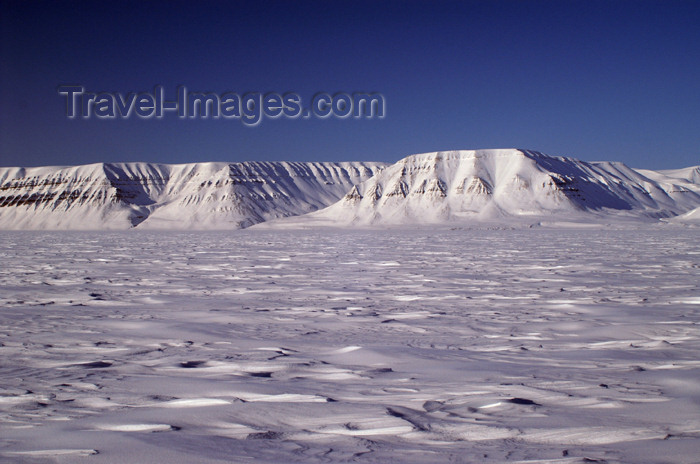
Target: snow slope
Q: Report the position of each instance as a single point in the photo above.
(199, 195)
(690, 175)
(692, 216)
(492, 184)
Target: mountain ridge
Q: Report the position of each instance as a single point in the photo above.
(481, 185)
(435, 187)
(188, 196)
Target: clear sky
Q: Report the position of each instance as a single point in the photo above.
(595, 80)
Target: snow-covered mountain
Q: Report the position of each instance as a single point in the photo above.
(184, 196)
(492, 184)
(454, 186)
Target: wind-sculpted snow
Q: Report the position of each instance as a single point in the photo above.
(186, 196)
(394, 346)
(505, 184)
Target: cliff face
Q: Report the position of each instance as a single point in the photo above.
(200, 195)
(491, 184)
(438, 187)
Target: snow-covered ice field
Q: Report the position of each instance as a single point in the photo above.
(387, 346)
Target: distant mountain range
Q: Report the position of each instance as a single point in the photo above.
(458, 187)
(493, 185)
(183, 196)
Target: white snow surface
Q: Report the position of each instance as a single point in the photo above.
(403, 345)
(504, 185)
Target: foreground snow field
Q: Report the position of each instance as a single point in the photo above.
(401, 346)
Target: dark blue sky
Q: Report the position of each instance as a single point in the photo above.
(612, 80)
